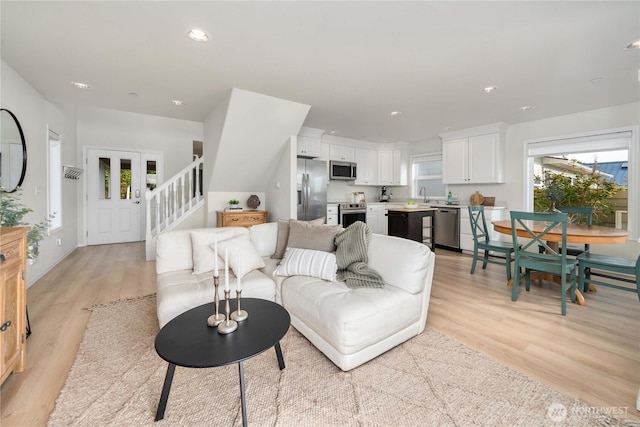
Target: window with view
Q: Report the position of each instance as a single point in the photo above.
(592, 170)
(54, 202)
(426, 176)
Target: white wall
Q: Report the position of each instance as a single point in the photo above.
(594, 120)
(255, 129)
(121, 130)
(99, 127)
(34, 114)
(511, 193)
(281, 188)
(219, 201)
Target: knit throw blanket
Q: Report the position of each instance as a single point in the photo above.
(352, 259)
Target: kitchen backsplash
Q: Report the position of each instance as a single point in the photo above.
(338, 191)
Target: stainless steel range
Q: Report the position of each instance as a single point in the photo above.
(348, 213)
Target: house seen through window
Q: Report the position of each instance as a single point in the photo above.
(590, 171)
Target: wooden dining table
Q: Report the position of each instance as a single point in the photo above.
(576, 233)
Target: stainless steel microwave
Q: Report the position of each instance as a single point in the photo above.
(342, 170)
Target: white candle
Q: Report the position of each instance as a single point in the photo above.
(215, 250)
(238, 276)
(226, 269)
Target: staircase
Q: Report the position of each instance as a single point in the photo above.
(172, 202)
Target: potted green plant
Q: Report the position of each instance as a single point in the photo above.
(12, 212)
(234, 204)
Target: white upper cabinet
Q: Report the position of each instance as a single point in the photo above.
(367, 161)
(474, 156)
(309, 147)
(309, 142)
(385, 167)
(399, 168)
(375, 165)
(342, 152)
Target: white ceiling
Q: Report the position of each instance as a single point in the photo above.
(353, 62)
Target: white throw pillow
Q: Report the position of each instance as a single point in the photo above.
(308, 262)
(202, 247)
(243, 257)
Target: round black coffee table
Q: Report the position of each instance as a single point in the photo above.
(187, 341)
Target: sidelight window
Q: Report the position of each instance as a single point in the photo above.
(54, 201)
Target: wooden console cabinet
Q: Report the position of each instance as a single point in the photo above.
(13, 300)
(240, 218)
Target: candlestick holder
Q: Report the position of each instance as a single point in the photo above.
(217, 317)
(239, 315)
(228, 325)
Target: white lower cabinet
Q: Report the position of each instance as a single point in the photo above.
(373, 218)
(377, 217)
(490, 214)
(332, 214)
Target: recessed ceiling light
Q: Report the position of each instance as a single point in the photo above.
(177, 102)
(395, 113)
(489, 89)
(80, 85)
(133, 94)
(333, 132)
(634, 45)
(198, 35)
(526, 108)
(596, 80)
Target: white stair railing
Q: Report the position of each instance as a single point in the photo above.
(172, 202)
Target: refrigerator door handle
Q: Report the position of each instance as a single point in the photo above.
(308, 196)
(304, 193)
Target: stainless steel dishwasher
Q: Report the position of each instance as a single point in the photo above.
(447, 227)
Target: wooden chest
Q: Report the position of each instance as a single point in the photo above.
(240, 218)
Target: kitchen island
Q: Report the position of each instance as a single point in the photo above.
(408, 223)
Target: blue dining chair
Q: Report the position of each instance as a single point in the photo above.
(481, 242)
(590, 265)
(551, 261)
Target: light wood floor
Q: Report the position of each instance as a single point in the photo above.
(592, 354)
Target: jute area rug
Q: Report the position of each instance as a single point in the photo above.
(431, 380)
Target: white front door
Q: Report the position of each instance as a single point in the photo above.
(113, 196)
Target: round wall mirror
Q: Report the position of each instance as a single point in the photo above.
(13, 152)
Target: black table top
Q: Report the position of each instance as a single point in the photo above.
(187, 340)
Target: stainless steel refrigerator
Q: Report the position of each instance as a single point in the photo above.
(311, 183)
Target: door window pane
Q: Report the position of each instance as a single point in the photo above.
(104, 178)
(125, 179)
(152, 177)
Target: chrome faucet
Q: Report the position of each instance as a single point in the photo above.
(423, 192)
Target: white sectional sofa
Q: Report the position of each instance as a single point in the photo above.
(350, 326)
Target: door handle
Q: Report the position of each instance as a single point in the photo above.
(137, 202)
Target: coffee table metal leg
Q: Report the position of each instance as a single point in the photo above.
(165, 392)
(242, 394)
(279, 354)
